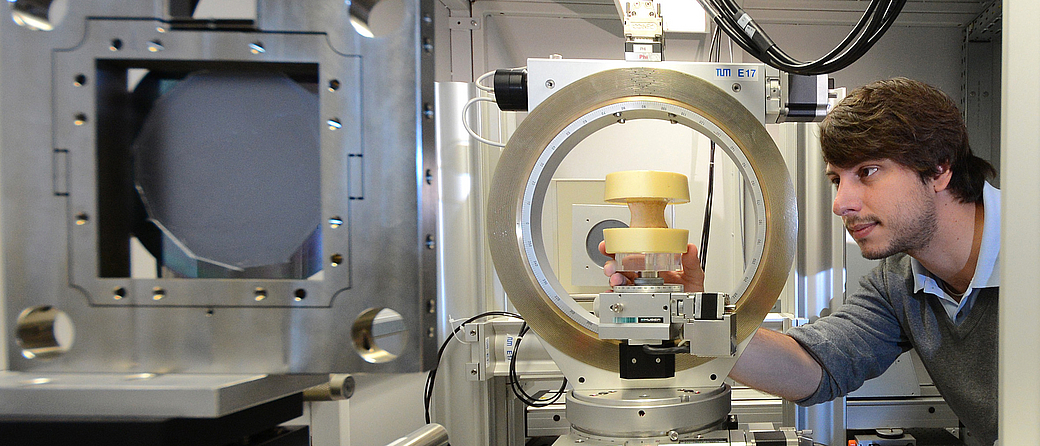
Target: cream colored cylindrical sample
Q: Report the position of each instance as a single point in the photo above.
(647, 193)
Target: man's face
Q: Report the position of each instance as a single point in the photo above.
(885, 207)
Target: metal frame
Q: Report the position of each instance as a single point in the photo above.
(378, 176)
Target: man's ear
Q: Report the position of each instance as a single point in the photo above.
(942, 178)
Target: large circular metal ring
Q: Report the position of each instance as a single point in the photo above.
(549, 132)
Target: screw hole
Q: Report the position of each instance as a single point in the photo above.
(115, 45)
(300, 294)
(119, 293)
(334, 85)
(642, 413)
(336, 260)
(713, 377)
(80, 80)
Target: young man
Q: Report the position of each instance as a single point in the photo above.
(911, 193)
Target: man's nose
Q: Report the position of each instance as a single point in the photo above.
(846, 200)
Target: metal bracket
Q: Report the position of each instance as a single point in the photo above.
(464, 23)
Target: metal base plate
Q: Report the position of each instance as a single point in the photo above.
(716, 438)
(142, 395)
(640, 413)
(256, 426)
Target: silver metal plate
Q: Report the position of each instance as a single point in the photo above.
(142, 395)
(67, 105)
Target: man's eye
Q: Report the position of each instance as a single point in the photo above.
(867, 171)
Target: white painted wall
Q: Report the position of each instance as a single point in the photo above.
(3, 311)
(1020, 216)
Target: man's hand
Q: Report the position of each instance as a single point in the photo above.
(691, 277)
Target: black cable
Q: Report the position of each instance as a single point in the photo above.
(514, 378)
(432, 376)
(877, 18)
(707, 207)
(651, 350)
(713, 56)
(881, 19)
(868, 18)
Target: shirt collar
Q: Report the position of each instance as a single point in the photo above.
(987, 268)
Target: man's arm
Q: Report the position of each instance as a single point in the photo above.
(776, 363)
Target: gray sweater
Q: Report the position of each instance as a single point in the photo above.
(885, 318)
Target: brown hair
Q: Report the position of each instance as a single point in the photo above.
(911, 123)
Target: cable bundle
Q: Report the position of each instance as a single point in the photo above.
(514, 378)
(742, 29)
(432, 376)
